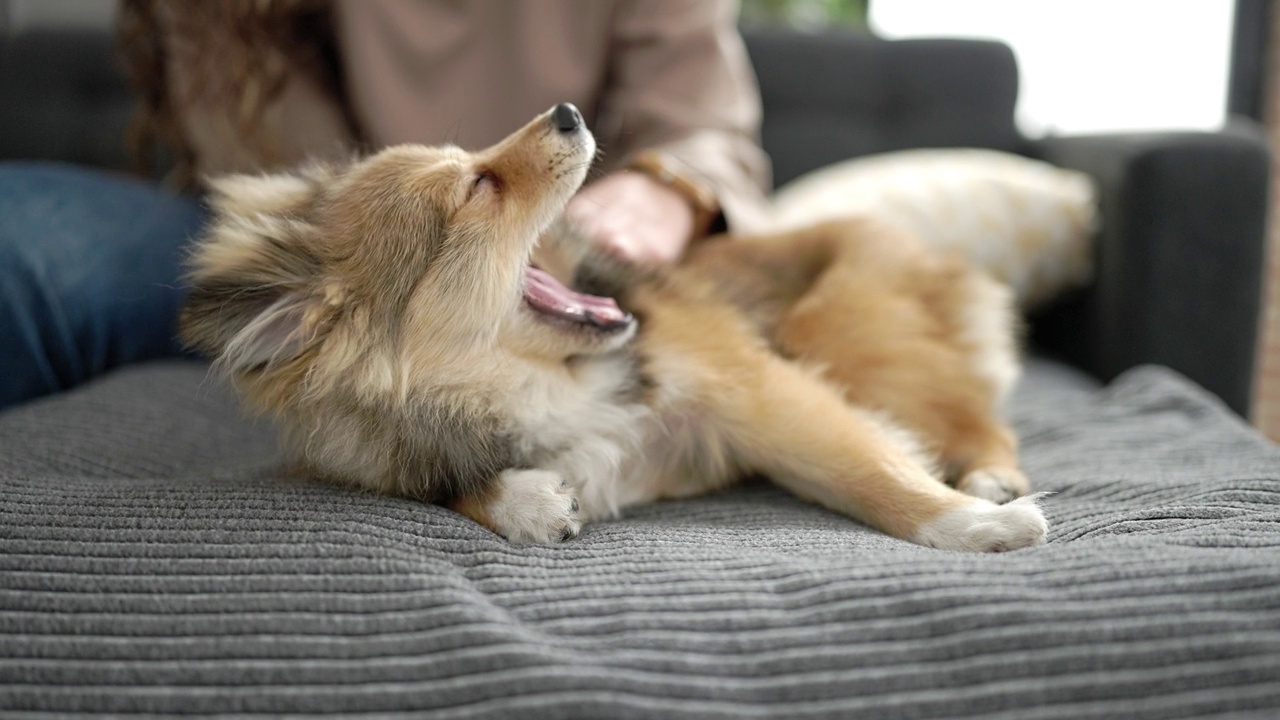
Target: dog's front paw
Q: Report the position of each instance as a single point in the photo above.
(533, 506)
(981, 526)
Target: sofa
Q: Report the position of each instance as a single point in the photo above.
(153, 562)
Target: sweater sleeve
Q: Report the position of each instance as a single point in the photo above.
(680, 83)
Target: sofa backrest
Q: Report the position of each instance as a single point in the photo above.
(63, 97)
(828, 97)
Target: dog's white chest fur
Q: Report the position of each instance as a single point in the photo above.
(580, 428)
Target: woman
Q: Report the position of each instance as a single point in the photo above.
(91, 263)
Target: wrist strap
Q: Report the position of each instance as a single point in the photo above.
(671, 173)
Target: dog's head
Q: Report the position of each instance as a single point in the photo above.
(398, 265)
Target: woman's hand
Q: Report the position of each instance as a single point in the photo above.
(634, 216)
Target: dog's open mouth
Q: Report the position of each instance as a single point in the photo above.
(545, 295)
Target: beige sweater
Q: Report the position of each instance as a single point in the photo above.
(670, 75)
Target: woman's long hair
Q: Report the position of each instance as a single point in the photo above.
(243, 47)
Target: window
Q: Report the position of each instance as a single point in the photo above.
(1092, 65)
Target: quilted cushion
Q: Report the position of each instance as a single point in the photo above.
(1027, 222)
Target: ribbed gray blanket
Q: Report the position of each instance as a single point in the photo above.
(151, 563)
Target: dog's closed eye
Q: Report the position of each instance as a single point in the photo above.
(484, 181)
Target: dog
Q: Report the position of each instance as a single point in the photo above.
(391, 316)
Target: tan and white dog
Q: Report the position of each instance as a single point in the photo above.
(390, 315)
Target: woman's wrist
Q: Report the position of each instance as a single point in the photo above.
(672, 174)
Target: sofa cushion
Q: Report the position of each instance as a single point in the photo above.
(150, 562)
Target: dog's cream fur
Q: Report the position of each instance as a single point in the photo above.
(382, 313)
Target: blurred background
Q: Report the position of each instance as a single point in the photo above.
(1095, 66)
(1086, 66)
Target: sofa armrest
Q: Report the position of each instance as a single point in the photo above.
(1179, 258)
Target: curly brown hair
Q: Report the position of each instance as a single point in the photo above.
(243, 49)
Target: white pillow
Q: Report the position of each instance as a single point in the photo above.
(1028, 223)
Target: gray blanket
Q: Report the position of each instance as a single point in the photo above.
(150, 562)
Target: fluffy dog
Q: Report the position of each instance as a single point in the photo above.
(390, 315)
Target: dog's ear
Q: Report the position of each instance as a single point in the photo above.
(277, 194)
(280, 333)
(258, 296)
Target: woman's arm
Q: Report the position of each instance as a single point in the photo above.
(682, 88)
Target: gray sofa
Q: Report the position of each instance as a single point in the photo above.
(152, 562)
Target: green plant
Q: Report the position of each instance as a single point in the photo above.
(805, 14)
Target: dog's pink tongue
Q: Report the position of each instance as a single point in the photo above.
(546, 294)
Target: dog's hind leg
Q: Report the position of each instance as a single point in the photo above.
(799, 431)
(938, 361)
(780, 419)
(982, 457)
(920, 337)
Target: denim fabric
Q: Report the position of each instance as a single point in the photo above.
(89, 274)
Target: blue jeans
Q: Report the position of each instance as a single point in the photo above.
(90, 266)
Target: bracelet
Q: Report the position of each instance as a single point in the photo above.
(665, 170)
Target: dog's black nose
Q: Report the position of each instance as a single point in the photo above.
(566, 118)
